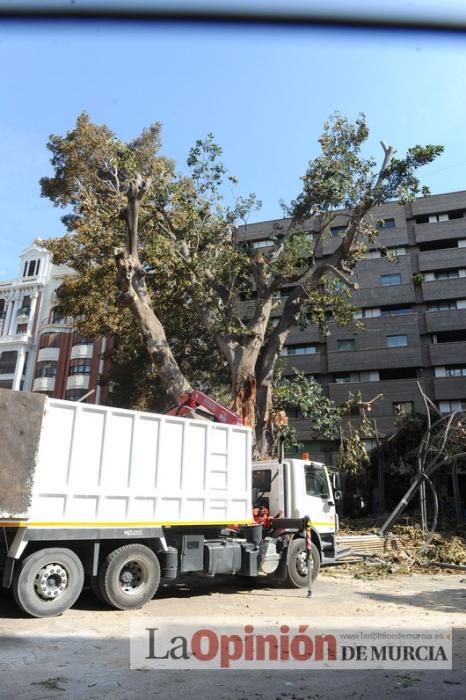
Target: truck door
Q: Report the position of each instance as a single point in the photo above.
(319, 498)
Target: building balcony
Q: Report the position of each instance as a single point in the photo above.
(48, 355)
(308, 364)
(445, 320)
(44, 384)
(374, 358)
(449, 387)
(78, 381)
(22, 315)
(384, 295)
(424, 233)
(17, 340)
(56, 328)
(443, 259)
(444, 289)
(447, 353)
(82, 351)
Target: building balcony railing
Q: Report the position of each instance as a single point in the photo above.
(48, 355)
(79, 351)
(17, 339)
(78, 381)
(24, 311)
(44, 384)
(447, 353)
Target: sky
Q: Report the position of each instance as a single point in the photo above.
(263, 92)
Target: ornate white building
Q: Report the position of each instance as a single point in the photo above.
(39, 350)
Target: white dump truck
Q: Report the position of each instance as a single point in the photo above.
(124, 500)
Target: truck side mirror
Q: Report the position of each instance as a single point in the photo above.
(337, 495)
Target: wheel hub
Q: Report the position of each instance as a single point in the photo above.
(131, 577)
(301, 563)
(51, 581)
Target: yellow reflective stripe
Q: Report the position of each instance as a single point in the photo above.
(64, 523)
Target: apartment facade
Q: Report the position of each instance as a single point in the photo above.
(39, 348)
(414, 311)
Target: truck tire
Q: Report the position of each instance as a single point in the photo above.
(129, 577)
(48, 582)
(296, 575)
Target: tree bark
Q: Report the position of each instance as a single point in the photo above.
(265, 439)
(134, 293)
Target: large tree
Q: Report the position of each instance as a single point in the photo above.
(181, 264)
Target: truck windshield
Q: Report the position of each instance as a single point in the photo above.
(316, 481)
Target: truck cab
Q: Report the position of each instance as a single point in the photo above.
(296, 488)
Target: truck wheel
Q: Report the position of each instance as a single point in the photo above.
(129, 577)
(297, 563)
(48, 582)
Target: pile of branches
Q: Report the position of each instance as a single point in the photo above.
(446, 552)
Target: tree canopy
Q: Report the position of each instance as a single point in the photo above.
(187, 280)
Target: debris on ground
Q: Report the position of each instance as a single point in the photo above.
(401, 551)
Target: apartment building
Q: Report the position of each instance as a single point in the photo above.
(414, 311)
(39, 349)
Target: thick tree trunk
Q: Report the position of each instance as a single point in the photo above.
(264, 446)
(132, 284)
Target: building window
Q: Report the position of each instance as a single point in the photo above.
(452, 406)
(46, 370)
(8, 362)
(75, 394)
(57, 315)
(403, 408)
(83, 340)
(50, 340)
(80, 367)
(390, 279)
(263, 243)
(345, 345)
(372, 312)
(400, 250)
(370, 444)
(372, 254)
(443, 275)
(31, 268)
(337, 230)
(309, 349)
(445, 305)
(386, 223)
(369, 376)
(396, 310)
(458, 336)
(342, 378)
(25, 307)
(397, 341)
(451, 371)
(438, 218)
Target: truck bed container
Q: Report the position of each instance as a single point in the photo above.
(80, 465)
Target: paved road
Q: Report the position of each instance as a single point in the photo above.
(85, 653)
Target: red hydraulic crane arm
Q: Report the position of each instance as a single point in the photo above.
(193, 400)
